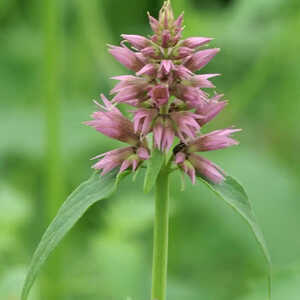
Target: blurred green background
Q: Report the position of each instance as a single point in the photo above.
(54, 61)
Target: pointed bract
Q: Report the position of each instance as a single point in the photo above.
(206, 168)
(210, 109)
(137, 41)
(143, 119)
(194, 42)
(202, 81)
(126, 57)
(214, 140)
(160, 94)
(187, 126)
(112, 124)
(200, 59)
(163, 133)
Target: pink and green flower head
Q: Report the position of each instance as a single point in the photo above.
(171, 103)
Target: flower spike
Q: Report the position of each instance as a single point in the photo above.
(169, 99)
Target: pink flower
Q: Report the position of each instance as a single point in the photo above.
(208, 110)
(130, 93)
(201, 59)
(214, 140)
(195, 165)
(167, 30)
(182, 72)
(168, 101)
(130, 89)
(186, 124)
(150, 52)
(112, 159)
(182, 52)
(148, 69)
(194, 42)
(143, 119)
(180, 157)
(166, 17)
(124, 157)
(110, 122)
(153, 23)
(125, 81)
(202, 81)
(126, 57)
(143, 153)
(160, 94)
(166, 39)
(206, 169)
(178, 23)
(163, 133)
(137, 41)
(189, 169)
(166, 67)
(191, 95)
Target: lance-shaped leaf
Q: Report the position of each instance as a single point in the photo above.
(154, 165)
(235, 196)
(94, 189)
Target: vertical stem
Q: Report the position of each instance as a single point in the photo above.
(160, 246)
(51, 96)
(52, 105)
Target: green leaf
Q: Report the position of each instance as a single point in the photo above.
(95, 189)
(235, 196)
(153, 167)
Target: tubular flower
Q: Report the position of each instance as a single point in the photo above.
(137, 41)
(160, 94)
(188, 160)
(194, 42)
(163, 133)
(110, 122)
(126, 57)
(210, 109)
(214, 140)
(143, 120)
(124, 157)
(201, 81)
(186, 124)
(169, 100)
(200, 59)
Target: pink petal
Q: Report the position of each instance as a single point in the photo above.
(148, 69)
(194, 42)
(136, 41)
(180, 158)
(143, 153)
(201, 59)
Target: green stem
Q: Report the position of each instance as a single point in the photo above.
(51, 93)
(160, 244)
(50, 12)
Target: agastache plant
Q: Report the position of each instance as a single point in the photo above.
(170, 104)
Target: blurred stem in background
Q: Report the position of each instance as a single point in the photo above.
(160, 241)
(51, 95)
(96, 30)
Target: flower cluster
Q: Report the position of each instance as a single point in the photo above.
(168, 101)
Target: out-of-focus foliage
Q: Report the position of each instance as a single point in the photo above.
(108, 254)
